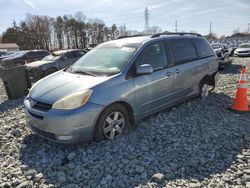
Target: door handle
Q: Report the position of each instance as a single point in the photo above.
(176, 71)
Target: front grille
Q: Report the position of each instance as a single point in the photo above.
(36, 116)
(42, 106)
(244, 51)
(43, 133)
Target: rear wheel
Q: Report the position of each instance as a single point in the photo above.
(204, 89)
(112, 122)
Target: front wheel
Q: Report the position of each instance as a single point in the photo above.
(112, 122)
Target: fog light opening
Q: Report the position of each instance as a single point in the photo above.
(65, 137)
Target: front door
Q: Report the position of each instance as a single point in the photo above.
(153, 91)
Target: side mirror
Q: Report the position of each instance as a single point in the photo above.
(144, 69)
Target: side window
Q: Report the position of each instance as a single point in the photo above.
(69, 55)
(43, 53)
(183, 51)
(154, 54)
(30, 54)
(79, 53)
(203, 48)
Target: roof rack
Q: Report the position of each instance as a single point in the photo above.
(130, 36)
(169, 33)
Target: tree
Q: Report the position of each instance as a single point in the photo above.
(154, 29)
(58, 25)
(113, 31)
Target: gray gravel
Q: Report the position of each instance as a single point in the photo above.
(195, 144)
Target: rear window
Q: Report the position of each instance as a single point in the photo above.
(183, 51)
(203, 48)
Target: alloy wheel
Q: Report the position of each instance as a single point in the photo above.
(113, 125)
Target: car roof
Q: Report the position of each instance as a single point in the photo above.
(147, 38)
(60, 52)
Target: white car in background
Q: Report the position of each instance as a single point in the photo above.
(243, 50)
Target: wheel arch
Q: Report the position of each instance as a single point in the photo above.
(126, 105)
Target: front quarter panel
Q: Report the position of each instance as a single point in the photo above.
(114, 90)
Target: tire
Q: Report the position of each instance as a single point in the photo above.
(111, 123)
(204, 89)
(50, 71)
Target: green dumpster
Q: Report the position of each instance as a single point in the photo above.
(16, 81)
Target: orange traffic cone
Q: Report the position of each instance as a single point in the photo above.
(241, 101)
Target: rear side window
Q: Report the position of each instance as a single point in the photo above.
(153, 54)
(31, 54)
(70, 55)
(203, 48)
(183, 51)
(79, 53)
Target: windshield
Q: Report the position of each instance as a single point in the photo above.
(244, 46)
(51, 57)
(20, 53)
(107, 58)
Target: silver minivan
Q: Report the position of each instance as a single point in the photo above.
(119, 82)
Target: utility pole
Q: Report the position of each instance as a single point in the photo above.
(146, 19)
(210, 28)
(176, 26)
(248, 28)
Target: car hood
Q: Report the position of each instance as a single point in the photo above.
(60, 84)
(38, 63)
(242, 49)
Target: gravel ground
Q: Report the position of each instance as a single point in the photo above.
(195, 144)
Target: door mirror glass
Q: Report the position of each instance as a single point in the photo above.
(144, 69)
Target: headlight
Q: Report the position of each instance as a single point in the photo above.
(73, 101)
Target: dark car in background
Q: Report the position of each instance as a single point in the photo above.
(23, 57)
(56, 61)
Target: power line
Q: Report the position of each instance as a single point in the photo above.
(210, 28)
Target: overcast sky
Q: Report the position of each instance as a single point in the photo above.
(226, 15)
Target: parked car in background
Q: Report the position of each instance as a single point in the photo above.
(9, 54)
(118, 83)
(23, 57)
(56, 61)
(3, 52)
(223, 55)
(231, 49)
(221, 51)
(243, 50)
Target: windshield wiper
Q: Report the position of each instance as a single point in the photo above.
(84, 72)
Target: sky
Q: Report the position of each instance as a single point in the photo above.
(191, 15)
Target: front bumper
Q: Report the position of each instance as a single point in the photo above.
(78, 123)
